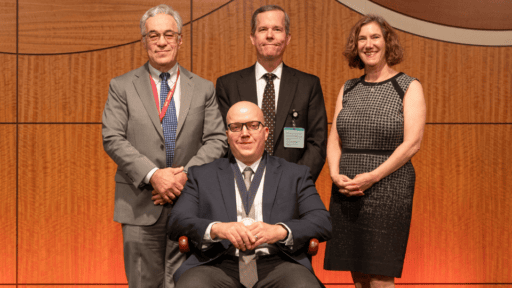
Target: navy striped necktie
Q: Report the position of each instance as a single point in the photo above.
(170, 121)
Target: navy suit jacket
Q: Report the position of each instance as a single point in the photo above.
(289, 196)
(298, 91)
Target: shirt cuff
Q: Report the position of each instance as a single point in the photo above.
(207, 239)
(150, 174)
(289, 240)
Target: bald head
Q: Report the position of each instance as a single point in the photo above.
(244, 111)
(247, 145)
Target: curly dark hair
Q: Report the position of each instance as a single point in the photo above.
(394, 52)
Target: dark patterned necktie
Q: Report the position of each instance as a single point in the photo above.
(247, 260)
(269, 110)
(170, 122)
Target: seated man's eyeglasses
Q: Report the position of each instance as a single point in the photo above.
(251, 126)
(169, 36)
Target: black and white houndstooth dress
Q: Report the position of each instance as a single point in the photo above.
(370, 232)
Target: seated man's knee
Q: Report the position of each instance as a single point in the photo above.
(205, 276)
(194, 277)
(295, 275)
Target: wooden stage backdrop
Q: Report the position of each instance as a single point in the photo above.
(57, 59)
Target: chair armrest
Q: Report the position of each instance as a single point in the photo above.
(183, 244)
(184, 248)
(313, 247)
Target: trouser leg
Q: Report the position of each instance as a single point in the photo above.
(147, 252)
(277, 271)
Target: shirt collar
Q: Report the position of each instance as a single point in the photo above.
(155, 73)
(254, 165)
(260, 71)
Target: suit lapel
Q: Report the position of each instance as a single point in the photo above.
(227, 187)
(286, 94)
(187, 92)
(143, 87)
(272, 176)
(247, 85)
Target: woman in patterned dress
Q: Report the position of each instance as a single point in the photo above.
(377, 128)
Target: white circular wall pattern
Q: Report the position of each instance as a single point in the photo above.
(432, 30)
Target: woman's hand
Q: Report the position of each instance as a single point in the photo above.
(361, 182)
(342, 182)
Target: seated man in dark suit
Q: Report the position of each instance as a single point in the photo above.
(251, 230)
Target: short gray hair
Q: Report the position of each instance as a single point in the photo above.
(267, 8)
(162, 8)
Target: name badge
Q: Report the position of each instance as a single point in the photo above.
(294, 137)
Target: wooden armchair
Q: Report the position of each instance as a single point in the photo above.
(184, 248)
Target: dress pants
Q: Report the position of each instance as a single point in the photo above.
(273, 271)
(150, 258)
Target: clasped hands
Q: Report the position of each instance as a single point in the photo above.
(248, 237)
(354, 187)
(167, 184)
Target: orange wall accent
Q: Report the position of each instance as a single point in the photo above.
(462, 216)
(462, 83)
(66, 192)
(462, 213)
(8, 203)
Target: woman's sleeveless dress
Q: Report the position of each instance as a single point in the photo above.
(370, 233)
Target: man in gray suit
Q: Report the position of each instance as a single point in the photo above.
(159, 120)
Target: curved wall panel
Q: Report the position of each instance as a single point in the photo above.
(462, 210)
(65, 26)
(482, 15)
(437, 31)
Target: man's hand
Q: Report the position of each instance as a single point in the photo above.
(236, 232)
(266, 233)
(167, 184)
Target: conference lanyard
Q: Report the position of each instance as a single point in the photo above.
(167, 100)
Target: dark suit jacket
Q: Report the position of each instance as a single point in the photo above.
(299, 91)
(289, 196)
(133, 137)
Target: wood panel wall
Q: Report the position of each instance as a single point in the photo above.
(58, 186)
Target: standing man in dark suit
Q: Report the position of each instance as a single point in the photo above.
(159, 120)
(291, 100)
(251, 230)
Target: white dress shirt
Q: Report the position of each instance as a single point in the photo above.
(263, 249)
(261, 82)
(155, 74)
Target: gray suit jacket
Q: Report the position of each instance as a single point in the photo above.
(133, 137)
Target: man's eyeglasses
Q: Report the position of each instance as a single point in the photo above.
(251, 126)
(169, 36)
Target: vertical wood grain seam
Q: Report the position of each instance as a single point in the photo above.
(17, 136)
(192, 36)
